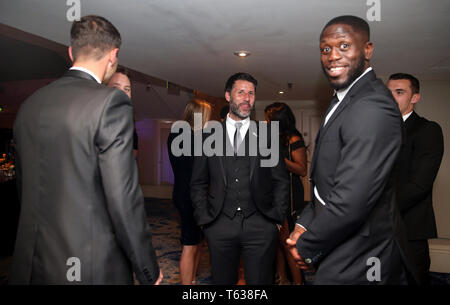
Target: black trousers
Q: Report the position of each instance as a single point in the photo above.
(419, 255)
(254, 238)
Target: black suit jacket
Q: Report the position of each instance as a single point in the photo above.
(79, 188)
(351, 168)
(418, 165)
(269, 185)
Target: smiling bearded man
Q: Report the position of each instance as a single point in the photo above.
(351, 233)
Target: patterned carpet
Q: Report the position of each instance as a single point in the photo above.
(165, 226)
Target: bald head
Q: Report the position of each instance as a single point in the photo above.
(358, 25)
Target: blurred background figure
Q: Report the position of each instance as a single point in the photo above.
(223, 112)
(191, 234)
(121, 80)
(293, 149)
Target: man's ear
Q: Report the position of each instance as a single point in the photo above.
(368, 50)
(415, 98)
(70, 53)
(113, 56)
(227, 96)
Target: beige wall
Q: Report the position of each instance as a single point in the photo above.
(434, 105)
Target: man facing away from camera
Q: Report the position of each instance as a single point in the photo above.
(82, 215)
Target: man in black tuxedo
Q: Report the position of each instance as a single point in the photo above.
(418, 165)
(236, 199)
(351, 232)
(82, 215)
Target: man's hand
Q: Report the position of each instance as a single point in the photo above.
(159, 280)
(292, 245)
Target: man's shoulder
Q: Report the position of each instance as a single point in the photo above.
(427, 127)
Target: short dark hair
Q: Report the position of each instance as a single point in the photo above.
(414, 82)
(93, 36)
(282, 113)
(124, 71)
(358, 25)
(239, 76)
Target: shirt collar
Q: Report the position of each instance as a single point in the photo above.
(343, 92)
(232, 122)
(88, 72)
(406, 116)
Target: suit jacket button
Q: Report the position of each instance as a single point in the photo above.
(308, 261)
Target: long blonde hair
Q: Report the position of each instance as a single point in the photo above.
(197, 106)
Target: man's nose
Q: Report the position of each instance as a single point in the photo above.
(334, 55)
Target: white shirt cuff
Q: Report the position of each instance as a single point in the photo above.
(301, 226)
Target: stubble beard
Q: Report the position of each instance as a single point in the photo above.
(235, 110)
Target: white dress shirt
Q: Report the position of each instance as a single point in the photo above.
(340, 95)
(406, 116)
(231, 128)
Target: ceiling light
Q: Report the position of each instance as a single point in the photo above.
(280, 92)
(242, 53)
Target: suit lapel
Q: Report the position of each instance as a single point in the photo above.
(226, 143)
(370, 76)
(252, 137)
(251, 133)
(411, 121)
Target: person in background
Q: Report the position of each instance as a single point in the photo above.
(191, 233)
(121, 80)
(82, 218)
(293, 149)
(238, 201)
(241, 277)
(224, 112)
(417, 166)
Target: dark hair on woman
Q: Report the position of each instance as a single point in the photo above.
(282, 112)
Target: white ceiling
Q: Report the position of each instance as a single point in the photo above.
(191, 42)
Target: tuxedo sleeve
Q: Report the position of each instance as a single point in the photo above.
(371, 137)
(124, 199)
(423, 166)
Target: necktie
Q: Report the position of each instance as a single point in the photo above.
(237, 137)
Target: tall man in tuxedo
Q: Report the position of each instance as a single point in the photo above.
(82, 211)
(418, 165)
(349, 232)
(238, 201)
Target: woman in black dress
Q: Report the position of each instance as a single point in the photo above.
(292, 147)
(191, 234)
